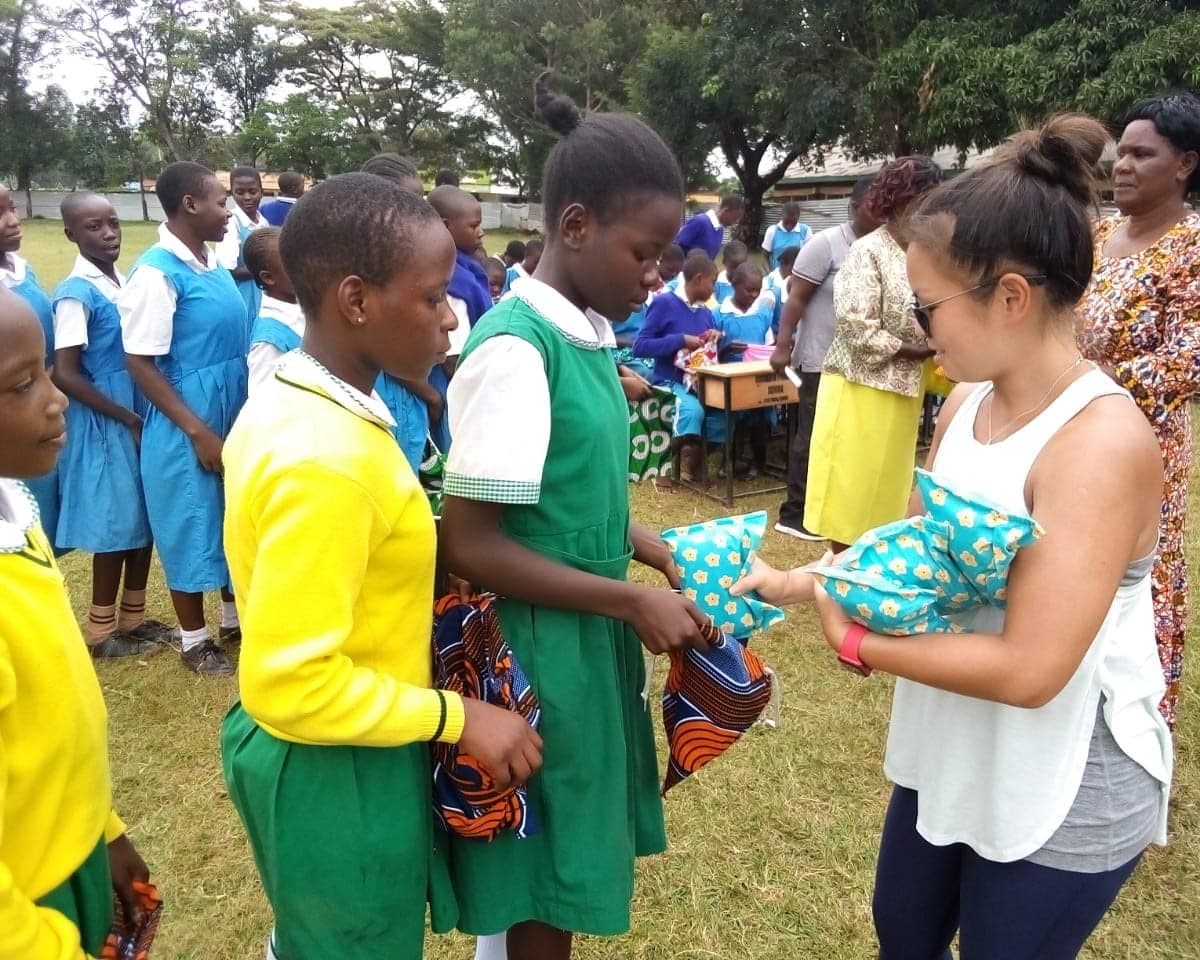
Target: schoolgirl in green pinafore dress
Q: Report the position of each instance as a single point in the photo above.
(597, 793)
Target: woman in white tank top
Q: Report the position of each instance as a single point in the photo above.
(1031, 764)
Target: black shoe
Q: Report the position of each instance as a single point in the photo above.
(229, 636)
(121, 645)
(153, 631)
(208, 660)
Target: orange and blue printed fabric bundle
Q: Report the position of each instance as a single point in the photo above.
(472, 659)
(130, 940)
(709, 700)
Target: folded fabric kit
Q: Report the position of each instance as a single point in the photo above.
(710, 699)
(472, 658)
(913, 576)
(711, 557)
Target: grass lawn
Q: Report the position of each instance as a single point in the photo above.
(772, 847)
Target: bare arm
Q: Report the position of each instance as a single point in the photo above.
(71, 381)
(476, 548)
(800, 293)
(159, 392)
(1096, 489)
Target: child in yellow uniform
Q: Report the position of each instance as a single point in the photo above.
(326, 755)
(63, 849)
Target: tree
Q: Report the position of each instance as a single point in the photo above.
(495, 48)
(971, 76)
(35, 127)
(738, 74)
(375, 63)
(243, 57)
(149, 48)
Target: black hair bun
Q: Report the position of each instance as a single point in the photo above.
(557, 110)
(1064, 152)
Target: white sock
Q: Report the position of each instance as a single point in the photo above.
(494, 947)
(190, 639)
(229, 616)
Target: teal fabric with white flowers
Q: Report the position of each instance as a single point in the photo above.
(913, 576)
(711, 557)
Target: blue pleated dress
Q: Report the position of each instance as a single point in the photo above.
(206, 366)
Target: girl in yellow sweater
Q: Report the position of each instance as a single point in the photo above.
(63, 850)
(327, 754)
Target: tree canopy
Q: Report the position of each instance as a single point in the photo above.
(449, 82)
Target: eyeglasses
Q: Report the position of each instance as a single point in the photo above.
(923, 313)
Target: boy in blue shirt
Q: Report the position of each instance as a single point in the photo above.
(291, 189)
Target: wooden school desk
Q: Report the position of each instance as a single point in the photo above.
(731, 388)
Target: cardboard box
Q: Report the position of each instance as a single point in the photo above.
(752, 384)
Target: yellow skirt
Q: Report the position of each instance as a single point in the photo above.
(860, 466)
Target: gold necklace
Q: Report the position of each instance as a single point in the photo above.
(1034, 409)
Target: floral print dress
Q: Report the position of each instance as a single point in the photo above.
(1141, 316)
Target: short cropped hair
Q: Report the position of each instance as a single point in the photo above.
(180, 179)
(354, 224)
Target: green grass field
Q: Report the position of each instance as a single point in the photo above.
(772, 847)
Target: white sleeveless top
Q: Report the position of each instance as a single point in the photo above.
(998, 778)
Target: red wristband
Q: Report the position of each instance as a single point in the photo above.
(848, 652)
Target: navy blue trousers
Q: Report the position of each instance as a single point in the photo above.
(1002, 911)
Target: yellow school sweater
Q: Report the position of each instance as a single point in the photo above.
(55, 793)
(331, 548)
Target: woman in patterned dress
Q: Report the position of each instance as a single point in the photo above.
(1140, 321)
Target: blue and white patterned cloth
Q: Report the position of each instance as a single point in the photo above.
(711, 557)
(913, 576)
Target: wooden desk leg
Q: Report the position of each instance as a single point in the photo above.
(728, 443)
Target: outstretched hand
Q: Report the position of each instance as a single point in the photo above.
(780, 587)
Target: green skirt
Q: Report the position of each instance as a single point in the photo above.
(344, 841)
(596, 795)
(86, 899)
(861, 458)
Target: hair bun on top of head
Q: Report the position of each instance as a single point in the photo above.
(1064, 152)
(557, 110)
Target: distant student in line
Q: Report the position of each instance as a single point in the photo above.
(100, 481)
(183, 323)
(526, 266)
(63, 849)
(279, 326)
(514, 253)
(789, 232)
(706, 231)
(291, 189)
(733, 256)
(245, 186)
(417, 406)
(468, 294)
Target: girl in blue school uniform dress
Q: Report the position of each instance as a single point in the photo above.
(789, 233)
(744, 318)
(103, 507)
(245, 186)
(279, 326)
(183, 324)
(18, 276)
(776, 283)
(733, 256)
